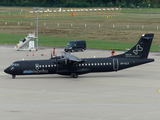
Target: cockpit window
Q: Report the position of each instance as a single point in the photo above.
(15, 64)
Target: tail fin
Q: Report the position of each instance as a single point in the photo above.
(141, 49)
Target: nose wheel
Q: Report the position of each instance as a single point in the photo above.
(13, 76)
(74, 75)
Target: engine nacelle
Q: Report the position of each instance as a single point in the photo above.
(62, 61)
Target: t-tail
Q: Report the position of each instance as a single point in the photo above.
(141, 49)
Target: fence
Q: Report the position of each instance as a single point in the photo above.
(73, 12)
(66, 25)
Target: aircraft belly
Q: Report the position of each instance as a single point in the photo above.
(82, 70)
(68, 71)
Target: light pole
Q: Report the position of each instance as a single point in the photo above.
(37, 10)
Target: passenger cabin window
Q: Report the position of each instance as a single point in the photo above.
(91, 64)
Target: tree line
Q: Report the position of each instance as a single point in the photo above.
(83, 3)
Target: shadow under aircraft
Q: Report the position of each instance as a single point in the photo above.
(68, 64)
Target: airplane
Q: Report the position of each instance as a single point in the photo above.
(68, 64)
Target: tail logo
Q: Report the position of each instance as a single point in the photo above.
(138, 49)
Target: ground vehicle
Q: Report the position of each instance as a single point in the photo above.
(75, 45)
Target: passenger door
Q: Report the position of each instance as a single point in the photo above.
(115, 64)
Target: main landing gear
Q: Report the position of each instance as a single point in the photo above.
(74, 75)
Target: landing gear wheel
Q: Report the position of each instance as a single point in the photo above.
(74, 75)
(72, 50)
(13, 76)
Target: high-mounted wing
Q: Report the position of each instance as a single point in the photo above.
(71, 57)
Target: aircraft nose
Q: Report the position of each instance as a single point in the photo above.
(6, 70)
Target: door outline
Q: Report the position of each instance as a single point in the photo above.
(115, 64)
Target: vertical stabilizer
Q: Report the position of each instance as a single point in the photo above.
(141, 49)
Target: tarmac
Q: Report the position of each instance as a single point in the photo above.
(130, 94)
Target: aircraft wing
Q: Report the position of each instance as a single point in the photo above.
(71, 57)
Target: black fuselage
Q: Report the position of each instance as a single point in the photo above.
(50, 66)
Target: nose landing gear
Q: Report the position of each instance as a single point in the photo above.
(13, 76)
